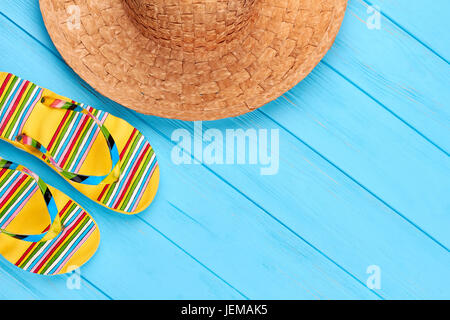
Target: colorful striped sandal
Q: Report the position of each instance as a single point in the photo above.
(32, 240)
(104, 157)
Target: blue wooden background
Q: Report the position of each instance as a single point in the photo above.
(364, 177)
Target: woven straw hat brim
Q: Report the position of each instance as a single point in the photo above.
(280, 46)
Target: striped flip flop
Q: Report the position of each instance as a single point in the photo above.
(103, 156)
(41, 230)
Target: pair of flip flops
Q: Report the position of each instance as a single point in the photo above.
(42, 230)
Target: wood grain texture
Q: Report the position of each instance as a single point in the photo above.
(17, 284)
(357, 186)
(396, 71)
(159, 269)
(135, 284)
(421, 20)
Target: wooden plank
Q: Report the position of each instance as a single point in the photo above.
(389, 64)
(427, 21)
(133, 260)
(397, 71)
(364, 141)
(426, 288)
(316, 202)
(14, 10)
(147, 256)
(187, 204)
(239, 239)
(356, 56)
(18, 284)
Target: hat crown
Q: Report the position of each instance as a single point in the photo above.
(191, 24)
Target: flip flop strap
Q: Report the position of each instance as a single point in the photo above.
(110, 177)
(48, 198)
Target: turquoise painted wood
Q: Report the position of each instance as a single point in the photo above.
(380, 63)
(363, 179)
(426, 23)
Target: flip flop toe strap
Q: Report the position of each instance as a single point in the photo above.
(55, 223)
(111, 177)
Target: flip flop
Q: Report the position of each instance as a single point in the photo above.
(41, 230)
(102, 156)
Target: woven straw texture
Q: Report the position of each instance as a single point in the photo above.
(193, 59)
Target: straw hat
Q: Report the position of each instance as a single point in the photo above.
(193, 59)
